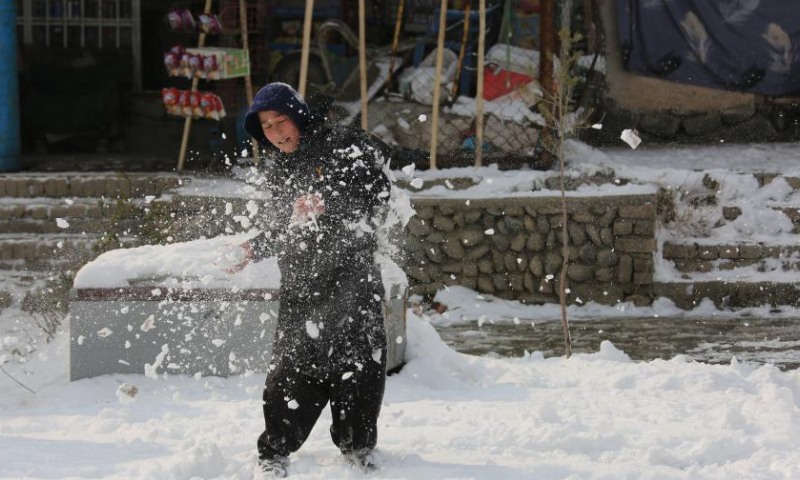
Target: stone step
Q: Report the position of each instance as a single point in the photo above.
(75, 226)
(94, 185)
(708, 258)
(45, 249)
(730, 295)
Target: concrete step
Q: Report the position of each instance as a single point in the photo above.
(94, 185)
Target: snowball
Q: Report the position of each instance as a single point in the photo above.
(126, 393)
(347, 375)
(62, 223)
(312, 329)
(292, 404)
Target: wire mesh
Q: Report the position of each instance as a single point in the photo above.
(400, 105)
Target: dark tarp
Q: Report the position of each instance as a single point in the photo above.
(743, 45)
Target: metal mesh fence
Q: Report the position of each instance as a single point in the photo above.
(402, 79)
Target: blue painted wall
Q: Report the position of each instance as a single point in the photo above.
(9, 88)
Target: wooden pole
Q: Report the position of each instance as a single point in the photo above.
(362, 61)
(479, 93)
(309, 17)
(454, 92)
(248, 84)
(187, 125)
(437, 83)
(395, 43)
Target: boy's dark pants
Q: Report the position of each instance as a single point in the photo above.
(345, 365)
(355, 406)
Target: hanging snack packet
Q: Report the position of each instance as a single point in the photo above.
(170, 98)
(210, 23)
(210, 67)
(171, 62)
(208, 106)
(187, 20)
(174, 19)
(219, 107)
(197, 110)
(195, 66)
(185, 101)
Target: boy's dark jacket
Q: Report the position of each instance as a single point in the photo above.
(327, 271)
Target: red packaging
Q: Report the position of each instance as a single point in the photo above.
(500, 82)
(170, 98)
(219, 107)
(208, 107)
(185, 102)
(197, 110)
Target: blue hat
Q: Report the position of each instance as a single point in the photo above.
(279, 97)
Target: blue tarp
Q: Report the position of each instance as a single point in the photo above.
(743, 45)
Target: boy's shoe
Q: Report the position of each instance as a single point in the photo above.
(272, 468)
(361, 461)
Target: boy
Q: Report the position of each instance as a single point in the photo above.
(330, 344)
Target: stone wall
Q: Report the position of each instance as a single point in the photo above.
(511, 247)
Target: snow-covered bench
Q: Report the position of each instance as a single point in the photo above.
(172, 309)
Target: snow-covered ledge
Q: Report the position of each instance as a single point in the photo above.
(172, 309)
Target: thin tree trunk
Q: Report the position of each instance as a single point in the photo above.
(563, 96)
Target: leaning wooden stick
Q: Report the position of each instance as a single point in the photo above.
(362, 61)
(437, 83)
(454, 92)
(301, 87)
(395, 43)
(479, 94)
(248, 84)
(187, 125)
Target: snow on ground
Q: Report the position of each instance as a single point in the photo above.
(445, 416)
(465, 305)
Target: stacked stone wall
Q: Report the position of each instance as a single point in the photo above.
(512, 247)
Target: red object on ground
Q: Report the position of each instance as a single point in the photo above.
(499, 82)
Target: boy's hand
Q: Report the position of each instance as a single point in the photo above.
(248, 250)
(307, 206)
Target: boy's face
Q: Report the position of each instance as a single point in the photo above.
(280, 130)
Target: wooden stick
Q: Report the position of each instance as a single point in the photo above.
(362, 61)
(301, 88)
(187, 125)
(248, 84)
(479, 112)
(454, 92)
(395, 43)
(437, 83)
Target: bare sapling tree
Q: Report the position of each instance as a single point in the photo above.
(561, 124)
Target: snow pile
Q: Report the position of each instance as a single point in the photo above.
(195, 264)
(445, 416)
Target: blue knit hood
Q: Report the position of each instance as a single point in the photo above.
(279, 97)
